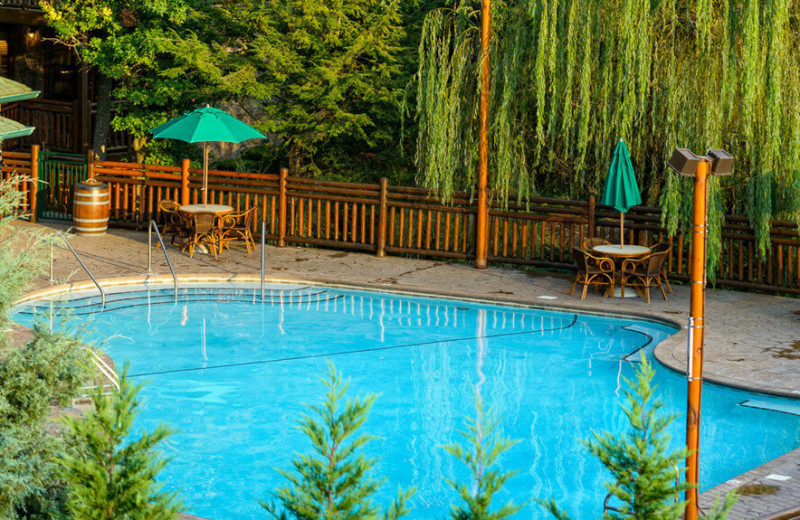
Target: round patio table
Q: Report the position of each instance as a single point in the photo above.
(217, 209)
(619, 253)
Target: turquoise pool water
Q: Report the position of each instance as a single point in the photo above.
(232, 374)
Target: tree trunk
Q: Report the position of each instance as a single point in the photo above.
(102, 120)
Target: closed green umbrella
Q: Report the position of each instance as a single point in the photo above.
(202, 126)
(622, 190)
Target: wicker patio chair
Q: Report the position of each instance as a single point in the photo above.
(171, 222)
(590, 243)
(238, 226)
(592, 270)
(665, 247)
(203, 231)
(643, 273)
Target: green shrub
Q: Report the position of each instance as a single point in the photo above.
(334, 481)
(110, 476)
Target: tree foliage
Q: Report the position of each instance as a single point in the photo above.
(109, 475)
(571, 77)
(484, 446)
(645, 480)
(334, 482)
(34, 374)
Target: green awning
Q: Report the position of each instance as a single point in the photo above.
(10, 129)
(14, 91)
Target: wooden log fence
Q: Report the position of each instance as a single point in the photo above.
(384, 219)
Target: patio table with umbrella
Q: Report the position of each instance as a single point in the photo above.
(622, 193)
(205, 125)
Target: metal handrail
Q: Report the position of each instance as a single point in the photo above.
(104, 369)
(150, 229)
(263, 254)
(77, 256)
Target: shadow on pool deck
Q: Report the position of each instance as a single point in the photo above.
(751, 339)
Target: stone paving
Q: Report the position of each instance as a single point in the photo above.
(752, 340)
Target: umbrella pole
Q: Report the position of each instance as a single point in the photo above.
(621, 230)
(205, 172)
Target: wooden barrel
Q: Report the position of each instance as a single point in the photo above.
(90, 208)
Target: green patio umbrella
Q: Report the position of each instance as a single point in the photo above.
(622, 190)
(202, 126)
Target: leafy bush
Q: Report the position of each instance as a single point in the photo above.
(109, 475)
(640, 461)
(334, 482)
(484, 447)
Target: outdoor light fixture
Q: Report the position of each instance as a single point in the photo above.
(721, 162)
(717, 162)
(684, 162)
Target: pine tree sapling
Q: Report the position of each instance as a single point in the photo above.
(333, 483)
(111, 476)
(643, 468)
(484, 447)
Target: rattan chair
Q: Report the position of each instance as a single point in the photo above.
(172, 222)
(665, 247)
(592, 270)
(643, 273)
(590, 243)
(238, 226)
(203, 231)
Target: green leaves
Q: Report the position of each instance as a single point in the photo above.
(112, 476)
(484, 446)
(333, 481)
(646, 474)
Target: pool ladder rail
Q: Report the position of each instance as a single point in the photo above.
(108, 378)
(77, 257)
(154, 227)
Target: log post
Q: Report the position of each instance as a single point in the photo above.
(382, 218)
(33, 190)
(282, 207)
(185, 182)
(90, 164)
(592, 216)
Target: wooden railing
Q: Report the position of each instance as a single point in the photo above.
(385, 219)
(20, 4)
(20, 171)
(56, 125)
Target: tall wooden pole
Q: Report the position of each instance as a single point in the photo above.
(205, 172)
(694, 371)
(482, 220)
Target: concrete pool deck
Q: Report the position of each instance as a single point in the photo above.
(752, 340)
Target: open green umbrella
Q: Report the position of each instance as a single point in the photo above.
(202, 126)
(622, 190)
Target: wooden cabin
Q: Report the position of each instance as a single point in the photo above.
(63, 115)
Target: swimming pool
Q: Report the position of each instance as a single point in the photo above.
(231, 373)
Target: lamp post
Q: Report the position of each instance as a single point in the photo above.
(482, 217)
(718, 162)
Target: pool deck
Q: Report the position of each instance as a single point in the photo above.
(752, 341)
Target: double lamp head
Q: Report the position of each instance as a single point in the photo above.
(685, 162)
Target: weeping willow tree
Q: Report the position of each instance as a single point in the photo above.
(571, 77)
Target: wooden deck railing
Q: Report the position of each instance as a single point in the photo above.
(21, 171)
(387, 219)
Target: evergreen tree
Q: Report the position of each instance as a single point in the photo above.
(334, 482)
(112, 476)
(50, 367)
(336, 64)
(641, 464)
(484, 447)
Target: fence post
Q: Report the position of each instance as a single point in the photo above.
(382, 218)
(282, 207)
(90, 164)
(185, 182)
(33, 190)
(591, 215)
